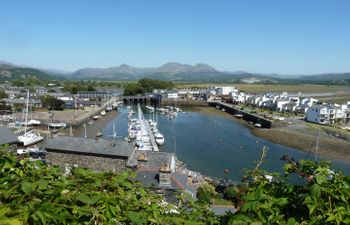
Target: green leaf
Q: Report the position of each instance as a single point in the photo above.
(84, 198)
(315, 191)
(136, 217)
(320, 179)
(42, 184)
(41, 216)
(28, 187)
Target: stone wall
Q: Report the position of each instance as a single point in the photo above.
(93, 162)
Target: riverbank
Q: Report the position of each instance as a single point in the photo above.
(300, 135)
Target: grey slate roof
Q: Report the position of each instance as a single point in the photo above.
(318, 106)
(151, 179)
(154, 159)
(88, 146)
(22, 101)
(7, 136)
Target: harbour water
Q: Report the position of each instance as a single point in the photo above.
(210, 144)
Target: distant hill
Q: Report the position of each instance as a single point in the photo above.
(327, 77)
(172, 71)
(12, 72)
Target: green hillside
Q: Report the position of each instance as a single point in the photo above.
(8, 72)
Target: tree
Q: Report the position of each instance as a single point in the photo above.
(133, 89)
(3, 94)
(52, 103)
(206, 192)
(90, 88)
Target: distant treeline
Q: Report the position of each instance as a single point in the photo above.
(146, 85)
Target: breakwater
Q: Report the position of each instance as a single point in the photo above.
(184, 102)
(246, 116)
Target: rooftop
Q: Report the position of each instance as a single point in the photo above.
(154, 159)
(88, 146)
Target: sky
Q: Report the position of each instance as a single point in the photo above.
(263, 36)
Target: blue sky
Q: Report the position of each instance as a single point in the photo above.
(289, 37)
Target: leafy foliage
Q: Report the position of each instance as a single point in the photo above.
(34, 193)
(52, 103)
(75, 86)
(322, 197)
(146, 85)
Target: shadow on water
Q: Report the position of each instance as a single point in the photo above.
(210, 144)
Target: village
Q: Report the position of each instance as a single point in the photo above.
(283, 104)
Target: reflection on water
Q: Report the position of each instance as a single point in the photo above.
(210, 144)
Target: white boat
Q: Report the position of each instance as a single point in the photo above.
(128, 107)
(99, 134)
(57, 125)
(31, 137)
(96, 117)
(109, 108)
(238, 115)
(257, 125)
(159, 138)
(103, 113)
(34, 122)
(149, 108)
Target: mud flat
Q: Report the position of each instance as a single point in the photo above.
(299, 136)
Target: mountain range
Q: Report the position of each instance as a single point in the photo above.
(172, 71)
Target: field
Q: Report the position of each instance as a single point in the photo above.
(263, 88)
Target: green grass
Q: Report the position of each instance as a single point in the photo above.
(264, 88)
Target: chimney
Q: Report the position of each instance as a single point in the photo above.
(142, 157)
(165, 175)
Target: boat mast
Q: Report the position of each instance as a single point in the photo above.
(114, 132)
(85, 131)
(174, 145)
(26, 115)
(317, 145)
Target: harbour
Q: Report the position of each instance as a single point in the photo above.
(211, 143)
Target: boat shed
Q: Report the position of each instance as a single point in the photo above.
(97, 154)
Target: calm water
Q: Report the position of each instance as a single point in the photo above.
(210, 144)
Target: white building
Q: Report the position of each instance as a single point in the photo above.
(172, 94)
(326, 114)
(225, 90)
(317, 114)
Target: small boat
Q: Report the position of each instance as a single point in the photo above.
(99, 134)
(159, 138)
(54, 131)
(223, 109)
(257, 125)
(34, 122)
(95, 117)
(57, 125)
(149, 108)
(103, 113)
(128, 107)
(238, 116)
(109, 108)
